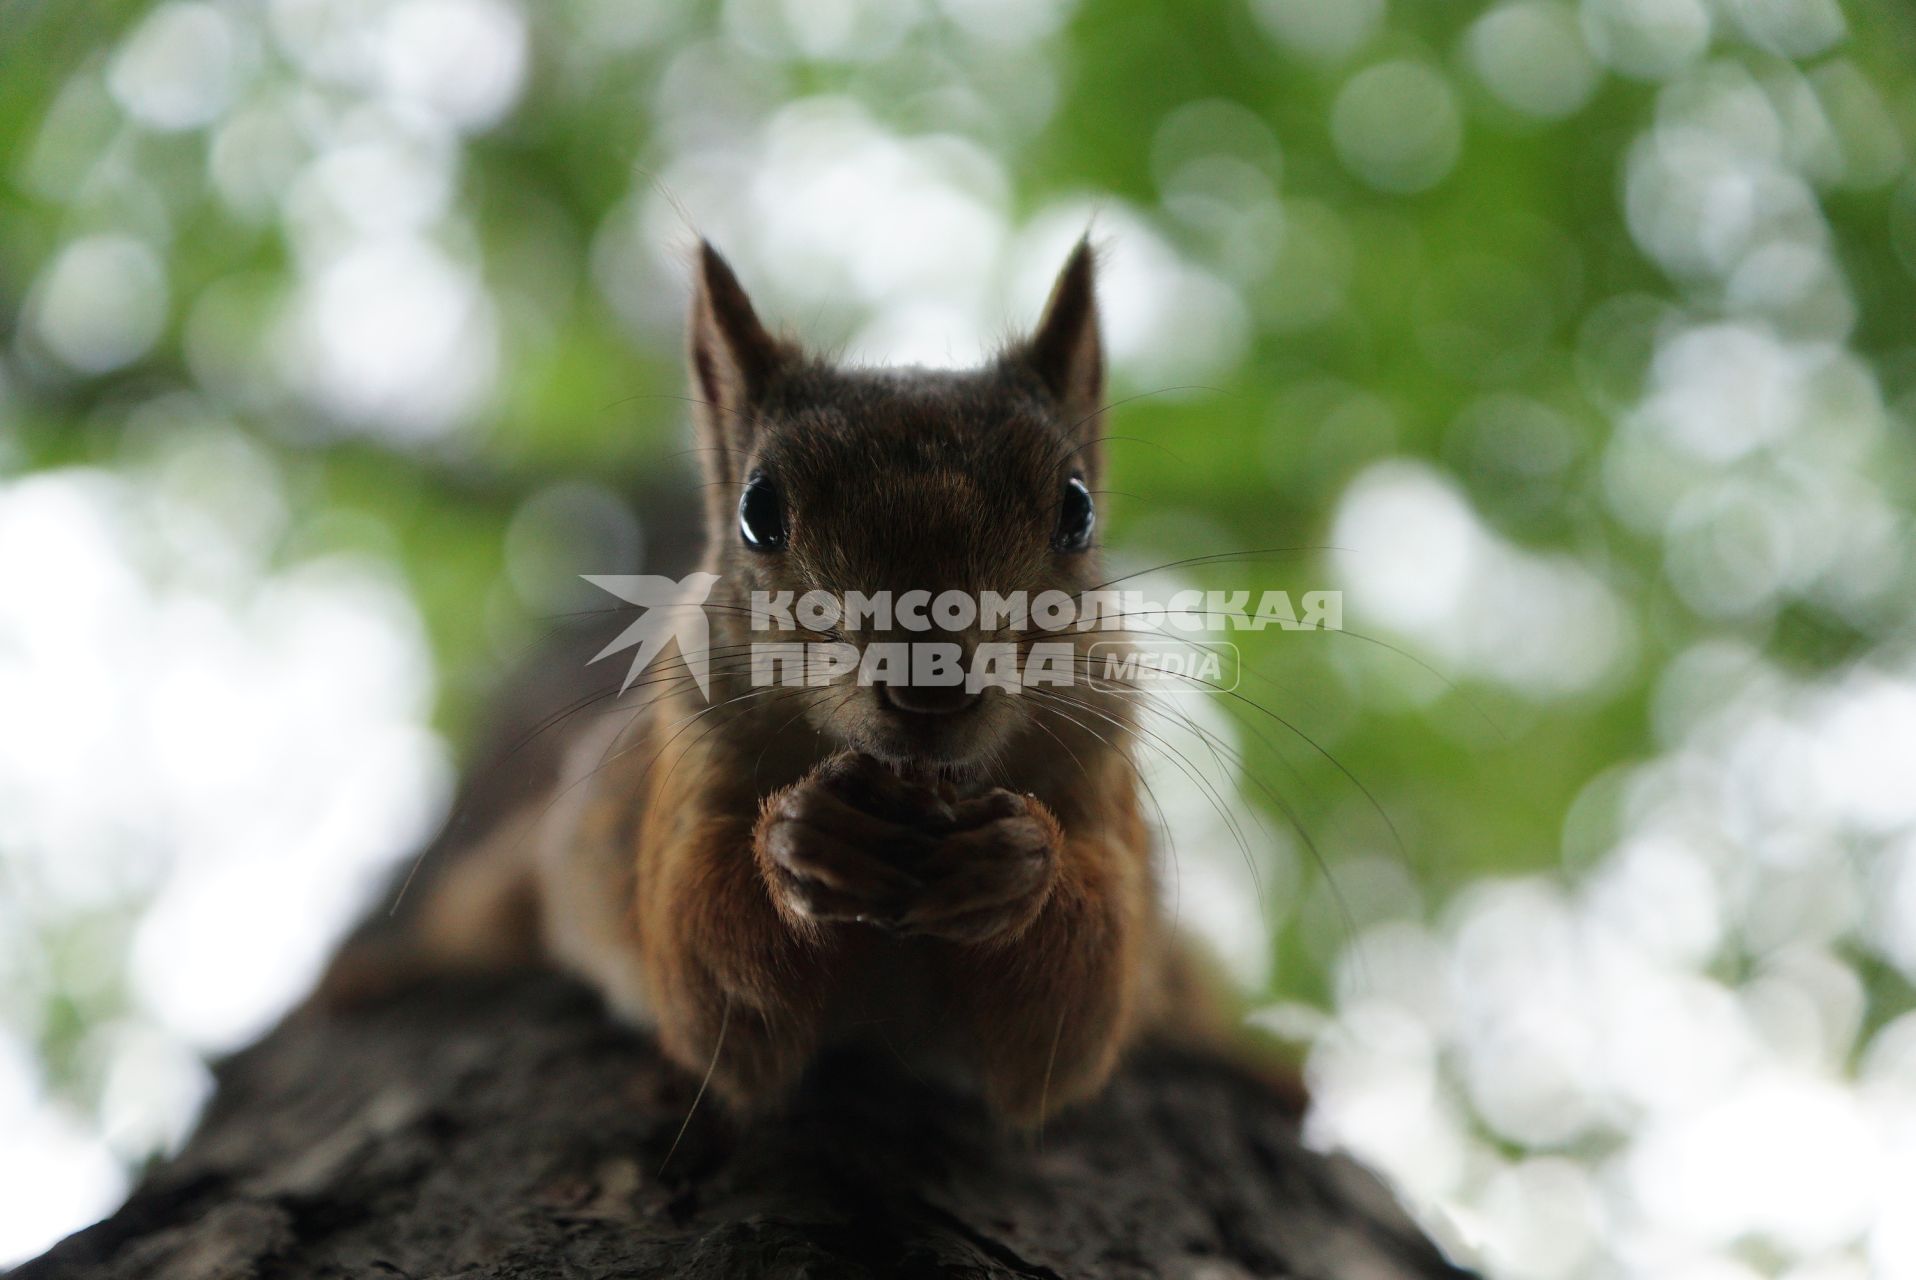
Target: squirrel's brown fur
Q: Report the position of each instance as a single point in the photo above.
(762, 873)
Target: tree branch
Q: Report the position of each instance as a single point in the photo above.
(509, 1129)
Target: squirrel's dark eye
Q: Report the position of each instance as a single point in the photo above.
(1076, 517)
(761, 515)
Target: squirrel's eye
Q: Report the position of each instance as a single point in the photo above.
(1076, 517)
(761, 515)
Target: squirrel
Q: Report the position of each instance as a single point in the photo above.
(962, 876)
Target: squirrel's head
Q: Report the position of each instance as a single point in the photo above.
(901, 492)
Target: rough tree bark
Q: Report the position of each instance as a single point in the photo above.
(509, 1129)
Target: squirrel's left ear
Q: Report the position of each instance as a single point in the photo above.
(733, 361)
(1065, 351)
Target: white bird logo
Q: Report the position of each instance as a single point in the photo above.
(672, 612)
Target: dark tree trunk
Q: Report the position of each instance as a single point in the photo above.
(509, 1129)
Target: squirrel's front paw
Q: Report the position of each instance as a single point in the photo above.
(988, 874)
(836, 847)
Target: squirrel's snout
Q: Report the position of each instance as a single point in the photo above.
(928, 700)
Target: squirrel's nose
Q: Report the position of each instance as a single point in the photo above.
(927, 699)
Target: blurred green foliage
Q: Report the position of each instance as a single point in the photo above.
(1571, 339)
(1498, 276)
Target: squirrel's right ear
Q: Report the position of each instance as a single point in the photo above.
(1065, 350)
(733, 359)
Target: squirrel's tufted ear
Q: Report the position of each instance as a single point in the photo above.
(1065, 351)
(733, 361)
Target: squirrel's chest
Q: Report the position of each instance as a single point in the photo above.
(895, 998)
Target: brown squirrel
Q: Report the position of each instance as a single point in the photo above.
(762, 873)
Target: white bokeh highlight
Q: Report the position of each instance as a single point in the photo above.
(212, 761)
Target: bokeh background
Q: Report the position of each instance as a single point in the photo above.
(1572, 341)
